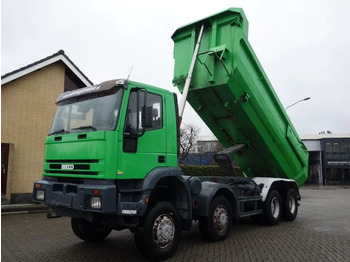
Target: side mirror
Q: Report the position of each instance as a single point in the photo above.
(138, 118)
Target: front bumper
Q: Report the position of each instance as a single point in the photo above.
(89, 195)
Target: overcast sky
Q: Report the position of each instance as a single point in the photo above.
(304, 46)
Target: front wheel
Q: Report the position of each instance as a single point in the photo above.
(160, 235)
(217, 225)
(89, 231)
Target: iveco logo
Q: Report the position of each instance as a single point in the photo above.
(67, 167)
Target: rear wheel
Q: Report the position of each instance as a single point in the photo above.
(272, 210)
(217, 225)
(160, 235)
(89, 231)
(290, 205)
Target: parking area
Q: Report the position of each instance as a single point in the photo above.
(321, 232)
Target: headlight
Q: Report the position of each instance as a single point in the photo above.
(40, 195)
(95, 202)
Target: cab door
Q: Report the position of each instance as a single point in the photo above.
(144, 138)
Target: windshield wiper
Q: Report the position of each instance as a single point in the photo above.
(85, 127)
(60, 131)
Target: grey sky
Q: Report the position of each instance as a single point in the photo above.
(302, 45)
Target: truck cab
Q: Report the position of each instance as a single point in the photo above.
(116, 131)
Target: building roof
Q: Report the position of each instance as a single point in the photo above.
(59, 56)
(323, 136)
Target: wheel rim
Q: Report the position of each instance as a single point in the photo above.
(220, 218)
(275, 207)
(292, 205)
(163, 231)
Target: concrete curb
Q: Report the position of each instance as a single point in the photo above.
(22, 209)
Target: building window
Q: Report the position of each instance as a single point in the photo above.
(329, 151)
(336, 151)
(345, 150)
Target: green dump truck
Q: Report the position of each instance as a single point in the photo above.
(111, 155)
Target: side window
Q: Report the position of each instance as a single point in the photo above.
(154, 112)
(144, 113)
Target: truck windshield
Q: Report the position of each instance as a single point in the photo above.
(84, 114)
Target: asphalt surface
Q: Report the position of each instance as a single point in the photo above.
(321, 232)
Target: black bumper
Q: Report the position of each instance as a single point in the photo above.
(74, 199)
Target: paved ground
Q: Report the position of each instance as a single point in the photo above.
(320, 233)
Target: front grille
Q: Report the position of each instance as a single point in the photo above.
(74, 161)
(72, 167)
(72, 172)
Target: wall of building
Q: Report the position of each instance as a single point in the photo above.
(329, 159)
(312, 145)
(27, 108)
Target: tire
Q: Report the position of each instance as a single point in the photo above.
(89, 231)
(160, 235)
(272, 210)
(217, 225)
(290, 206)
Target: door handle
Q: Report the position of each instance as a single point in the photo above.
(161, 159)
